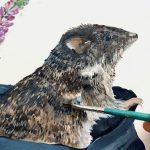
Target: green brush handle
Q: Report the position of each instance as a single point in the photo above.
(127, 113)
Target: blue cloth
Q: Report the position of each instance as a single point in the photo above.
(117, 133)
(4, 88)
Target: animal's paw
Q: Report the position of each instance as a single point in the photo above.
(129, 103)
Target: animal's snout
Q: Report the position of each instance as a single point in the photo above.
(133, 35)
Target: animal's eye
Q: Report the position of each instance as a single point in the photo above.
(107, 37)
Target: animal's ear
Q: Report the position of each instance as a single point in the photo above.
(79, 44)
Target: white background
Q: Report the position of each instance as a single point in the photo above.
(40, 25)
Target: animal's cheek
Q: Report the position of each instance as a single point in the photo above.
(69, 97)
(114, 43)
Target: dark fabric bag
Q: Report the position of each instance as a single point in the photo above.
(115, 133)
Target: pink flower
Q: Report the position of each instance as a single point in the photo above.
(7, 23)
(2, 38)
(10, 17)
(2, 11)
(14, 11)
(9, 4)
(7, 14)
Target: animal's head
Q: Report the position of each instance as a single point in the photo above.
(89, 52)
(89, 47)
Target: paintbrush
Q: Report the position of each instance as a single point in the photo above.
(116, 112)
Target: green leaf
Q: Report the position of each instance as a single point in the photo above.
(21, 3)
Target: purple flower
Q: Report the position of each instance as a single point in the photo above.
(10, 18)
(14, 11)
(9, 4)
(7, 23)
(2, 38)
(7, 14)
(2, 11)
(1, 33)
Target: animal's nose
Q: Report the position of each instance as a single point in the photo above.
(133, 35)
